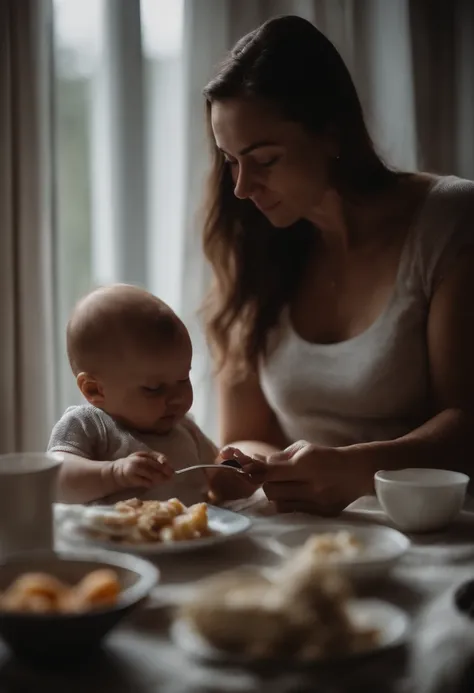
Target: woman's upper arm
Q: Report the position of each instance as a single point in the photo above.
(451, 336)
(245, 413)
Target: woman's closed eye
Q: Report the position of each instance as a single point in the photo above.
(267, 163)
(264, 163)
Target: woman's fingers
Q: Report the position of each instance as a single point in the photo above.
(284, 471)
(274, 471)
(256, 469)
(294, 448)
(284, 456)
(289, 491)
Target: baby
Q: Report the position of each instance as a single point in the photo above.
(131, 356)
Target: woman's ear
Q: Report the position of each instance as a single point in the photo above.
(91, 388)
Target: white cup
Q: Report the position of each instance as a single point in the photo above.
(421, 500)
(27, 493)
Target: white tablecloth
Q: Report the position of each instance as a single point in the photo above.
(139, 656)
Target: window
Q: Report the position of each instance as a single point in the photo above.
(78, 39)
(118, 152)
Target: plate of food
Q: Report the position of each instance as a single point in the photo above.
(149, 526)
(360, 550)
(303, 615)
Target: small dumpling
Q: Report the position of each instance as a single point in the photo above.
(98, 588)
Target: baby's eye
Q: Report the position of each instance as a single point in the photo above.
(160, 390)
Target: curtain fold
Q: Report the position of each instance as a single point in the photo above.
(26, 284)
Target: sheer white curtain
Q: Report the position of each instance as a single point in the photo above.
(413, 64)
(26, 323)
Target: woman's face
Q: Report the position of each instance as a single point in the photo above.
(276, 163)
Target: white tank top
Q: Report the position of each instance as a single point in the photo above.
(374, 386)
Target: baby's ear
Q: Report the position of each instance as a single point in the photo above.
(91, 388)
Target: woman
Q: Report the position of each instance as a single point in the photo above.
(341, 314)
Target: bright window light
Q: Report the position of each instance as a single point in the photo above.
(78, 31)
(162, 28)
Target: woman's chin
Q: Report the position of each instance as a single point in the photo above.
(282, 220)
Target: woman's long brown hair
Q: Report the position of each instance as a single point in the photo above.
(256, 267)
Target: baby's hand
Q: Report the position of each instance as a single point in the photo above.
(143, 468)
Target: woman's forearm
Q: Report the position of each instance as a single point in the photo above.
(444, 442)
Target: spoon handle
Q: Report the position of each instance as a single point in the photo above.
(211, 466)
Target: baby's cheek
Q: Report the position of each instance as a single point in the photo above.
(189, 398)
(154, 406)
(160, 404)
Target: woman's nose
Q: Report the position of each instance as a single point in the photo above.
(243, 185)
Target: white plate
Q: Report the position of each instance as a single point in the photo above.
(227, 525)
(382, 546)
(392, 623)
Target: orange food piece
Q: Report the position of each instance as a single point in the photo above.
(98, 588)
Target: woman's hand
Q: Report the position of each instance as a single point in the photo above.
(225, 486)
(311, 478)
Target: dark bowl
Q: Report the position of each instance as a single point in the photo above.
(46, 637)
(464, 598)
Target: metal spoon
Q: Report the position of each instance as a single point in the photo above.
(231, 465)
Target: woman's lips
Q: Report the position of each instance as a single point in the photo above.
(268, 208)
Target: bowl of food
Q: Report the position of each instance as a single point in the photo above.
(421, 500)
(360, 551)
(59, 605)
(304, 615)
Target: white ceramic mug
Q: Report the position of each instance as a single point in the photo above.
(27, 493)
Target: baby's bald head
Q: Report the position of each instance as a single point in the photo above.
(115, 320)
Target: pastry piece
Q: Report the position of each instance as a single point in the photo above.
(130, 504)
(150, 523)
(198, 514)
(34, 592)
(182, 529)
(338, 545)
(42, 593)
(38, 584)
(100, 588)
(175, 507)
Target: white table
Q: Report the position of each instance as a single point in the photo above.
(140, 658)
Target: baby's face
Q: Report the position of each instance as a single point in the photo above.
(151, 391)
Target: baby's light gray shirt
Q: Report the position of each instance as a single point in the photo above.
(89, 432)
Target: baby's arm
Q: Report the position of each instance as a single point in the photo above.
(83, 476)
(82, 480)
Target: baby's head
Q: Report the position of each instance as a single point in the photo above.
(131, 356)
